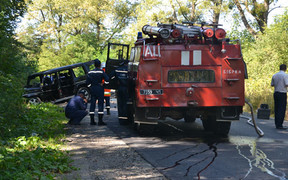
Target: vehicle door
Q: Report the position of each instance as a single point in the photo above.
(117, 53)
(50, 87)
(66, 83)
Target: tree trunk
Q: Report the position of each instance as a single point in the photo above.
(244, 19)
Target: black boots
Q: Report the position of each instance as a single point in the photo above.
(92, 120)
(100, 120)
(108, 111)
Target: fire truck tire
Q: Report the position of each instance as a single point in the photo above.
(208, 123)
(219, 128)
(189, 118)
(145, 129)
(222, 128)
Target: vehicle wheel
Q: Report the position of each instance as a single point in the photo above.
(86, 92)
(222, 128)
(146, 129)
(143, 128)
(189, 118)
(34, 100)
(218, 127)
(208, 122)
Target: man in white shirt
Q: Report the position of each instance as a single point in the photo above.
(280, 83)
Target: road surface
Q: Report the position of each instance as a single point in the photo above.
(182, 150)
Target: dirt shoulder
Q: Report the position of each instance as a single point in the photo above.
(100, 154)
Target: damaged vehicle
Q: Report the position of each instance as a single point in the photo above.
(58, 84)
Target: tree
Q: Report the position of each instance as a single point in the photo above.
(61, 23)
(12, 63)
(189, 10)
(263, 59)
(258, 10)
(10, 11)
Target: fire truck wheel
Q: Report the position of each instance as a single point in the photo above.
(222, 128)
(219, 128)
(145, 129)
(208, 123)
(189, 118)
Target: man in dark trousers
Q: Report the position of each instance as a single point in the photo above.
(76, 109)
(94, 81)
(280, 83)
(121, 75)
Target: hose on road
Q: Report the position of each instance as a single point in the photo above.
(251, 120)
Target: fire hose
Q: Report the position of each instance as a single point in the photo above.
(251, 120)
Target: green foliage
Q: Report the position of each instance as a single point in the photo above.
(38, 163)
(77, 50)
(44, 119)
(263, 59)
(29, 149)
(63, 32)
(29, 136)
(10, 98)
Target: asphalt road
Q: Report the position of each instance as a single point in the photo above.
(182, 150)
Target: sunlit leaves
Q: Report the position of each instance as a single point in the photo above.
(263, 60)
(30, 150)
(63, 24)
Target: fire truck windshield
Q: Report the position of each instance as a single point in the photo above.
(191, 76)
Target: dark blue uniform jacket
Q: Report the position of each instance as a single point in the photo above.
(75, 104)
(94, 78)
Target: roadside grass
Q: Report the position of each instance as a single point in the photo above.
(30, 146)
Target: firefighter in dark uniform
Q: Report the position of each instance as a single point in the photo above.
(76, 109)
(94, 81)
(121, 75)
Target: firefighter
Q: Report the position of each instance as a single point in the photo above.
(107, 93)
(76, 109)
(121, 75)
(94, 81)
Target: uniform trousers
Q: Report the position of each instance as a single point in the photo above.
(76, 117)
(97, 93)
(280, 102)
(107, 102)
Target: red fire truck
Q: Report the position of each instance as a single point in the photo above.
(184, 71)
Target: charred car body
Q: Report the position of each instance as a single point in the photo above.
(58, 84)
(186, 71)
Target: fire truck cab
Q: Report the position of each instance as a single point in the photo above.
(186, 71)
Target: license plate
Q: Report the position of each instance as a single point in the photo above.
(151, 91)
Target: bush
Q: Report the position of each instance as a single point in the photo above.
(30, 148)
(263, 59)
